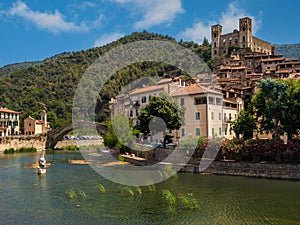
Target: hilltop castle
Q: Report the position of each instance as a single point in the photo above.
(241, 38)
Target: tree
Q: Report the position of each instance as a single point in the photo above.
(291, 122)
(205, 42)
(245, 123)
(163, 108)
(120, 132)
(269, 103)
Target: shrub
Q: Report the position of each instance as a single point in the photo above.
(9, 151)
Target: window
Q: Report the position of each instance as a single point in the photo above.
(197, 131)
(182, 132)
(144, 99)
(215, 52)
(212, 115)
(230, 116)
(220, 116)
(29, 124)
(225, 130)
(137, 112)
(197, 115)
(218, 101)
(199, 101)
(225, 117)
(220, 131)
(215, 44)
(213, 131)
(131, 113)
(211, 100)
(182, 114)
(182, 101)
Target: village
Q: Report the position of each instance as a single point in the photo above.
(241, 61)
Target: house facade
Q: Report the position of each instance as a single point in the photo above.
(9, 122)
(33, 126)
(204, 107)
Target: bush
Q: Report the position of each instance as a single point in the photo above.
(20, 150)
(71, 148)
(9, 151)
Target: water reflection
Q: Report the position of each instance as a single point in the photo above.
(27, 198)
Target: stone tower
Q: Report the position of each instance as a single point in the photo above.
(216, 32)
(44, 117)
(245, 33)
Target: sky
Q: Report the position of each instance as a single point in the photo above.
(34, 30)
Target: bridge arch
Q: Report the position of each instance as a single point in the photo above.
(55, 135)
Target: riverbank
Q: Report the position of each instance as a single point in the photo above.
(246, 169)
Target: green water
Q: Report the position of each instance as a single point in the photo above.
(26, 198)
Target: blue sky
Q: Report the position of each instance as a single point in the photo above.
(35, 29)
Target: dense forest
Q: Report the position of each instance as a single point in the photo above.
(51, 84)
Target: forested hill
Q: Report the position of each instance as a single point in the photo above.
(288, 50)
(12, 67)
(51, 84)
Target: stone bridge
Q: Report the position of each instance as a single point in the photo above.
(55, 135)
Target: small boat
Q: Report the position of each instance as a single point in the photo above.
(42, 164)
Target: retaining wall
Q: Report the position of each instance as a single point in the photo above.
(33, 141)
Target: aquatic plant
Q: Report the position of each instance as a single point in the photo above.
(101, 188)
(170, 199)
(82, 194)
(127, 190)
(151, 187)
(138, 190)
(170, 171)
(188, 201)
(71, 194)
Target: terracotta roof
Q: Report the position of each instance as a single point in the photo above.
(168, 80)
(230, 101)
(285, 71)
(273, 59)
(6, 110)
(193, 90)
(147, 89)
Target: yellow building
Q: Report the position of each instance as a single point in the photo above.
(204, 108)
(33, 126)
(203, 111)
(9, 122)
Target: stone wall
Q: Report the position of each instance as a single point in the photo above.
(78, 143)
(247, 169)
(34, 141)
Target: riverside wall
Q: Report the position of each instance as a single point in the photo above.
(33, 141)
(229, 167)
(39, 141)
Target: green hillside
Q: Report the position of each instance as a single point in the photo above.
(288, 50)
(5, 70)
(51, 83)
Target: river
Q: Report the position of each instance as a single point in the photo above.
(27, 198)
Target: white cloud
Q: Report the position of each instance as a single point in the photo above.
(229, 19)
(154, 12)
(53, 22)
(107, 38)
